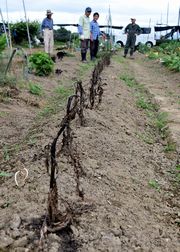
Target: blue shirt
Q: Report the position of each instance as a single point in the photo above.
(47, 23)
(94, 28)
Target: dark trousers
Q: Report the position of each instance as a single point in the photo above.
(130, 43)
(84, 48)
(94, 45)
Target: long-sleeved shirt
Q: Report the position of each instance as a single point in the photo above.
(133, 29)
(94, 29)
(47, 23)
(84, 26)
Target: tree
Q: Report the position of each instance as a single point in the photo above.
(62, 35)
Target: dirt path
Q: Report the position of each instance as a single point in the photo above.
(165, 86)
(130, 200)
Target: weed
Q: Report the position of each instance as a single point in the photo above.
(63, 92)
(9, 81)
(3, 114)
(47, 111)
(35, 89)
(118, 59)
(84, 68)
(142, 103)
(32, 141)
(147, 138)
(6, 155)
(154, 184)
(170, 147)
(130, 82)
(5, 174)
(161, 123)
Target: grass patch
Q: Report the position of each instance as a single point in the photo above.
(161, 123)
(129, 81)
(8, 151)
(5, 174)
(142, 103)
(147, 138)
(170, 147)
(84, 68)
(47, 111)
(8, 80)
(35, 89)
(118, 59)
(3, 114)
(63, 92)
(154, 184)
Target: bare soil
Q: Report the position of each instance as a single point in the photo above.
(131, 192)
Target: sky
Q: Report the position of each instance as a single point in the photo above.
(64, 11)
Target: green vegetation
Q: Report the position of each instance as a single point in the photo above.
(63, 92)
(154, 184)
(130, 81)
(57, 101)
(35, 89)
(2, 43)
(3, 114)
(142, 48)
(144, 103)
(161, 123)
(147, 138)
(41, 63)
(5, 174)
(19, 31)
(84, 68)
(170, 147)
(168, 53)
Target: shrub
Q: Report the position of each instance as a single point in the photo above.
(41, 63)
(19, 30)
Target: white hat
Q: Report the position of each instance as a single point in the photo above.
(48, 12)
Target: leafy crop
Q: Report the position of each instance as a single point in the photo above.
(172, 62)
(41, 63)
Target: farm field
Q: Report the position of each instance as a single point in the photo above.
(125, 195)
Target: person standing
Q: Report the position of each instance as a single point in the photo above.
(132, 30)
(94, 37)
(84, 33)
(47, 29)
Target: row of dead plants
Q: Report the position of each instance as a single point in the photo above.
(56, 220)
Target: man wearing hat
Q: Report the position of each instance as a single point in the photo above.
(131, 30)
(47, 28)
(84, 33)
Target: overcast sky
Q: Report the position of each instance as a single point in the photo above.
(66, 11)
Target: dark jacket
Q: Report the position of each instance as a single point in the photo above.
(133, 29)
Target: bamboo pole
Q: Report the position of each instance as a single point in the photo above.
(9, 30)
(27, 25)
(4, 27)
